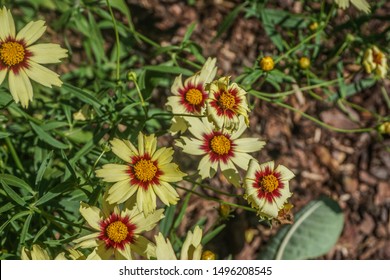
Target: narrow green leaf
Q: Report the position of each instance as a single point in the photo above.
(26, 225)
(269, 27)
(14, 217)
(166, 223)
(12, 194)
(4, 134)
(189, 32)
(40, 232)
(209, 236)
(85, 97)
(16, 182)
(45, 163)
(47, 138)
(228, 21)
(315, 231)
(182, 212)
(54, 192)
(6, 207)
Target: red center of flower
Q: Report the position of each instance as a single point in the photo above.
(12, 53)
(144, 171)
(220, 144)
(268, 184)
(117, 231)
(194, 96)
(227, 101)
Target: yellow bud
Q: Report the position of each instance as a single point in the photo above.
(208, 255)
(384, 128)
(313, 26)
(304, 62)
(224, 211)
(267, 63)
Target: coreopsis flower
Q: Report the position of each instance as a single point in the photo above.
(375, 61)
(38, 253)
(266, 188)
(22, 60)
(190, 97)
(226, 103)
(117, 232)
(191, 249)
(146, 174)
(361, 5)
(220, 150)
(267, 63)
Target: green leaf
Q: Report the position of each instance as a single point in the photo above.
(26, 225)
(45, 163)
(15, 217)
(6, 207)
(54, 192)
(46, 137)
(189, 32)
(16, 182)
(12, 194)
(269, 27)
(182, 211)
(315, 231)
(85, 97)
(207, 237)
(166, 223)
(4, 134)
(228, 21)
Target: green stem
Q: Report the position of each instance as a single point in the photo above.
(209, 188)
(116, 39)
(289, 92)
(14, 155)
(325, 125)
(218, 200)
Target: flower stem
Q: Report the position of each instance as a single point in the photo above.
(218, 200)
(14, 155)
(116, 39)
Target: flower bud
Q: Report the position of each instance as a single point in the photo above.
(304, 62)
(208, 255)
(267, 63)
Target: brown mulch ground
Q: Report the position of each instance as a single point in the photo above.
(353, 169)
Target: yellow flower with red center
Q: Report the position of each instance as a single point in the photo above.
(147, 173)
(117, 232)
(266, 188)
(22, 60)
(226, 103)
(190, 250)
(220, 150)
(190, 97)
(375, 61)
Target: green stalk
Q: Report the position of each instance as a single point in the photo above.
(116, 39)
